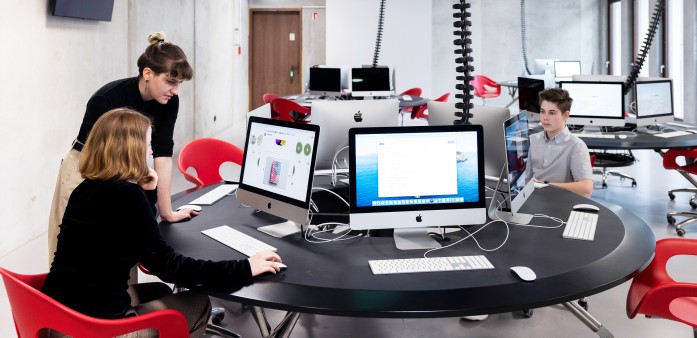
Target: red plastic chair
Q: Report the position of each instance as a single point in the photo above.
(416, 91)
(485, 88)
(288, 110)
(655, 294)
(420, 113)
(670, 161)
(32, 311)
(206, 155)
(268, 97)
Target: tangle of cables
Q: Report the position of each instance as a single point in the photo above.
(464, 60)
(522, 37)
(658, 11)
(378, 40)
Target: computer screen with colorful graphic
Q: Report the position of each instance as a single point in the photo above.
(278, 167)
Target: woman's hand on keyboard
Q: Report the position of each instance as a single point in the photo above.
(264, 262)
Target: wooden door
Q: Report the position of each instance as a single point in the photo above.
(275, 54)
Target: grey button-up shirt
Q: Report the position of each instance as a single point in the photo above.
(564, 158)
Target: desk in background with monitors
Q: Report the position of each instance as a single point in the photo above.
(598, 104)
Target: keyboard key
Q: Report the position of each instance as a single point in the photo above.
(414, 265)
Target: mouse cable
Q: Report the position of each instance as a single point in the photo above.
(312, 236)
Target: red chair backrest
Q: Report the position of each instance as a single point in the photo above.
(32, 311)
(671, 156)
(282, 109)
(416, 91)
(480, 84)
(420, 113)
(206, 155)
(268, 97)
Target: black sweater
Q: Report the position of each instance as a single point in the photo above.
(108, 227)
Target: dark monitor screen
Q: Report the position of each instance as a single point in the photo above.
(325, 81)
(84, 9)
(528, 94)
(372, 81)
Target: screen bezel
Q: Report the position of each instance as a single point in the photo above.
(272, 195)
(657, 118)
(384, 90)
(591, 120)
(517, 201)
(353, 132)
(325, 71)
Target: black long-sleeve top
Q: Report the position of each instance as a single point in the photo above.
(108, 227)
(125, 93)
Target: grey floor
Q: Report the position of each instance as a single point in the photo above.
(648, 200)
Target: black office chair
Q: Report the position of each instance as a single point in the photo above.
(601, 161)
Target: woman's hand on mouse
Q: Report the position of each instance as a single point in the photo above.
(149, 182)
(264, 261)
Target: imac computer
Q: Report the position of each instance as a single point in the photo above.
(411, 178)
(489, 117)
(325, 81)
(596, 103)
(335, 118)
(513, 175)
(564, 70)
(529, 96)
(371, 81)
(278, 167)
(654, 102)
(544, 66)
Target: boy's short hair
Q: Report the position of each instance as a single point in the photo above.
(558, 96)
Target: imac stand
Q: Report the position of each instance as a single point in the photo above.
(414, 239)
(506, 216)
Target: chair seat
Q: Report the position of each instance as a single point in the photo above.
(685, 309)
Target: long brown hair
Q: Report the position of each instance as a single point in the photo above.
(116, 147)
(164, 57)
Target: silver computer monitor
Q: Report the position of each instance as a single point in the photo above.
(410, 178)
(336, 117)
(566, 69)
(544, 66)
(654, 102)
(596, 103)
(489, 117)
(325, 81)
(278, 167)
(371, 81)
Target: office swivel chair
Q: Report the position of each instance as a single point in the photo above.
(687, 170)
(416, 91)
(485, 88)
(288, 110)
(206, 155)
(420, 112)
(601, 161)
(33, 311)
(654, 293)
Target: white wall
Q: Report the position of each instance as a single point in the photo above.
(406, 39)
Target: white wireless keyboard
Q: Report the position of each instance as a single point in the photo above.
(215, 195)
(673, 134)
(675, 124)
(239, 241)
(412, 265)
(596, 135)
(581, 225)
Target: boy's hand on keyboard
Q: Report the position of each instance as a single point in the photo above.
(264, 262)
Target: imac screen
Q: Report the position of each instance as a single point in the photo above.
(596, 103)
(517, 150)
(528, 94)
(278, 167)
(654, 102)
(336, 117)
(406, 177)
(325, 81)
(370, 81)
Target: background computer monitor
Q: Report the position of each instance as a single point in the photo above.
(335, 118)
(529, 94)
(491, 118)
(278, 167)
(544, 66)
(517, 143)
(371, 81)
(567, 68)
(654, 102)
(409, 178)
(596, 103)
(325, 81)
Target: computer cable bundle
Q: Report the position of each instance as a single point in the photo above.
(464, 59)
(658, 11)
(522, 37)
(378, 40)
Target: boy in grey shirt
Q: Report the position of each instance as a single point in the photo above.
(558, 157)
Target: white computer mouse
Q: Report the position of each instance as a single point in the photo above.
(622, 136)
(524, 273)
(281, 265)
(190, 206)
(586, 207)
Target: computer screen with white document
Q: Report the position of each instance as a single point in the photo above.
(654, 102)
(595, 103)
(416, 177)
(278, 167)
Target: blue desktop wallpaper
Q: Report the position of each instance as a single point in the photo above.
(367, 182)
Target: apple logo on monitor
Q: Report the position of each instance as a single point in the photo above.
(269, 206)
(418, 218)
(358, 117)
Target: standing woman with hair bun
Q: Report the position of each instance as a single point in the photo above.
(154, 93)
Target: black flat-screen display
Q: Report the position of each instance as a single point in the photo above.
(100, 10)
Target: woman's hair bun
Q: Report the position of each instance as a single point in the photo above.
(156, 37)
